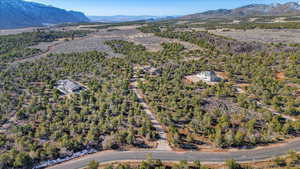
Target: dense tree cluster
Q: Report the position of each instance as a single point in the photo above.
(150, 29)
(186, 36)
(250, 25)
(14, 47)
(224, 45)
(184, 106)
(136, 54)
(261, 76)
(269, 61)
(263, 22)
(45, 125)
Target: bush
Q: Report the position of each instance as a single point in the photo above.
(232, 164)
(93, 165)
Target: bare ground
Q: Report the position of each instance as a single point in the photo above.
(262, 35)
(153, 43)
(32, 29)
(16, 31)
(95, 42)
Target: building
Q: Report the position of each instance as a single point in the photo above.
(68, 87)
(208, 76)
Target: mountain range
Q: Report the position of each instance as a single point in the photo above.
(286, 9)
(20, 14)
(125, 18)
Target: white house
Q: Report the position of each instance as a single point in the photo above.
(208, 76)
(68, 86)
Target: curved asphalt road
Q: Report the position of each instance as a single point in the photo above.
(205, 157)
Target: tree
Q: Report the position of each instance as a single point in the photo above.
(197, 164)
(108, 142)
(239, 138)
(23, 160)
(229, 138)
(93, 165)
(292, 158)
(219, 140)
(145, 165)
(280, 162)
(5, 160)
(189, 138)
(232, 164)
(183, 164)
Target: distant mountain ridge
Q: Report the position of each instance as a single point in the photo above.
(126, 18)
(286, 9)
(20, 14)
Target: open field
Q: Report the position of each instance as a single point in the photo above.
(16, 31)
(84, 45)
(262, 35)
(95, 41)
(32, 29)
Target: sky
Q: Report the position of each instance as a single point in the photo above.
(149, 7)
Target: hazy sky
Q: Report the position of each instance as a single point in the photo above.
(149, 7)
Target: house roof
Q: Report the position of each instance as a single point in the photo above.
(208, 73)
(68, 85)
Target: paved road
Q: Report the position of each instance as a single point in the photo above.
(204, 157)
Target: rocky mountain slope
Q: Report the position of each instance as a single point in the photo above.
(20, 14)
(287, 9)
(126, 18)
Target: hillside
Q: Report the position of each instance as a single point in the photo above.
(20, 14)
(287, 9)
(125, 18)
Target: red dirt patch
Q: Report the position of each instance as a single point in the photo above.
(280, 76)
(195, 79)
(223, 75)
